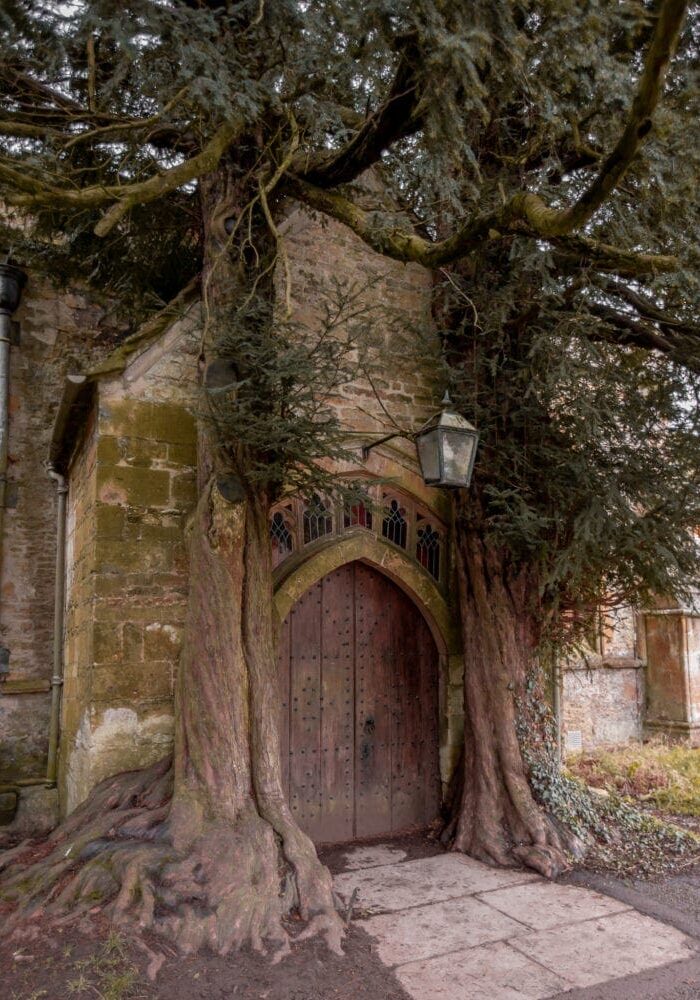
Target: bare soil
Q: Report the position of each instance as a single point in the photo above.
(71, 966)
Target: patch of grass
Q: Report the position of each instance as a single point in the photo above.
(108, 974)
(666, 775)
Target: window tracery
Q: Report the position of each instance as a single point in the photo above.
(318, 520)
(281, 535)
(391, 515)
(428, 547)
(358, 515)
(394, 524)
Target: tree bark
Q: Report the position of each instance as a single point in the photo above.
(493, 814)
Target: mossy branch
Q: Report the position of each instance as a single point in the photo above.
(407, 246)
(32, 191)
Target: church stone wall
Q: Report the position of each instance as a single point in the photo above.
(396, 298)
(118, 710)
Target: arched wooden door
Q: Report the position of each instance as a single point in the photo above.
(358, 671)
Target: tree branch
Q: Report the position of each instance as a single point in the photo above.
(575, 252)
(620, 328)
(405, 245)
(558, 222)
(39, 192)
(649, 309)
(393, 120)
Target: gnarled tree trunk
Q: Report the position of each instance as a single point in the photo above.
(493, 814)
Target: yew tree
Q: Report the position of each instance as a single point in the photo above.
(541, 160)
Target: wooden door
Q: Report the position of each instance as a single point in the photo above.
(358, 674)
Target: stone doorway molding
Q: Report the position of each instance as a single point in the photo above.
(421, 588)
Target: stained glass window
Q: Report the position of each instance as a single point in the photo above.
(281, 538)
(428, 548)
(394, 524)
(358, 515)
(318, 521)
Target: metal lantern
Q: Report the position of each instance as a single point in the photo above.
(447, 448)
(12, 281)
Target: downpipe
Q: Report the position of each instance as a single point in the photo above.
(12, 281)
(58, 622)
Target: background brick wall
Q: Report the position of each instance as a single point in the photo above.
(59, 332)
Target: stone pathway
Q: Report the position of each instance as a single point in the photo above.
(455, 929)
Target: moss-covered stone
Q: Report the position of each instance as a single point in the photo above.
(134, 683)
(135, 451)
(149, 421)
(108, 449)
(183, 490)
(183, 454)
(110, 521)
(125, 557)
(138, 487)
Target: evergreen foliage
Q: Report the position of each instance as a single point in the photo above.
(544, 155)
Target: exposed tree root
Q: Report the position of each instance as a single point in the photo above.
(116, 856)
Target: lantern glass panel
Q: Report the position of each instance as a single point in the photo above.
(458, 453)
(429, 455)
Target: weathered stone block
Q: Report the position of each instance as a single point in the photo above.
(183, 490)
(122, 557)
(110, 521)
(136, 486)
(162, 641)
(37, 813)
(8, 808)
(183, 454)
(138, 452)
(152, 421)
(132, 641)
(108, 450)
(107, 642)
(133, 683)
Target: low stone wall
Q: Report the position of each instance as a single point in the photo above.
(604, 692)
(603, 703)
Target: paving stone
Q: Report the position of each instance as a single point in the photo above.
(428, 931)
(426, 880)
(541, 905)
(490, 972)
(596, 951)
(372, 857)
